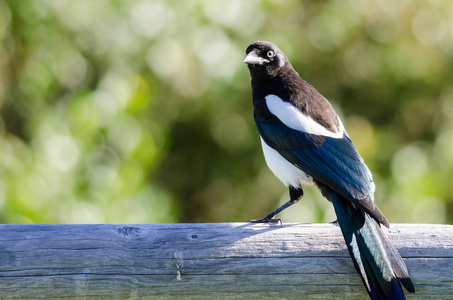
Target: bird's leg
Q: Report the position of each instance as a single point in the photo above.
(295, 194)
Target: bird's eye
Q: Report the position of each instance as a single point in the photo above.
(270, 53)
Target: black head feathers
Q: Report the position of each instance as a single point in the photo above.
(265, 57)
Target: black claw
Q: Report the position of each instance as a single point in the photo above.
(268, 220)
(335, 223)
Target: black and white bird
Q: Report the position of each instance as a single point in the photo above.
(304, 142)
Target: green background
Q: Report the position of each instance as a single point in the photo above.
(140, 111)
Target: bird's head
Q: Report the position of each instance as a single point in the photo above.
(265, 58)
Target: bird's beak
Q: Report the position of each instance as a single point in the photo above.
(253, 59)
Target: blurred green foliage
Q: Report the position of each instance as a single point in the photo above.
(140, 111)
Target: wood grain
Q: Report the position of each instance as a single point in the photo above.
(207, 261)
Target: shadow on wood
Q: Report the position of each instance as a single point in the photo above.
(207, 261)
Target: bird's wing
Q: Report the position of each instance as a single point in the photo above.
(331, 161)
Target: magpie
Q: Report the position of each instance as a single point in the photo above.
(304, 142)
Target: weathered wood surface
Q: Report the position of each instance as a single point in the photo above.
(207, 261)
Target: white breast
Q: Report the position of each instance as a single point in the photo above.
(289, 174)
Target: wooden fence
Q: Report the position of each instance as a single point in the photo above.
(207, 261)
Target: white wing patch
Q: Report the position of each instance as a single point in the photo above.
(295, 119)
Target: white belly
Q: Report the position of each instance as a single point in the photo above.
(289, 174)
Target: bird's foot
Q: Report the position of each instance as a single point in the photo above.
(267, 220)
(335, 223)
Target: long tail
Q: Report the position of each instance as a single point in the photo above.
(379, 264)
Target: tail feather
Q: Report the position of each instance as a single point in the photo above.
(380, 266)
(397, 263)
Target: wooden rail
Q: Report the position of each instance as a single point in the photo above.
(207, 261)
